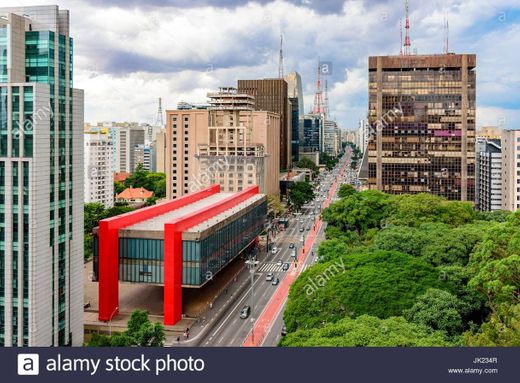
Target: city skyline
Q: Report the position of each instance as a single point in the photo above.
(216, 46)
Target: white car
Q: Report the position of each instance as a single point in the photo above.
(274, 250)
(279, 263)
(269, 277)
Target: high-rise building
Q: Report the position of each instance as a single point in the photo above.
(184, 128)
(311, 133)
(295, 94)
(362, 135)
(126, 139)
(510, 169)
(143, 156)
(99, 178)
(422, 108)
(41, 181)
(488, 175)
(331, 142)
(242, 145)
(295, 129)
(229, 144)
(271, 95)
(160, 152)
(294, 89)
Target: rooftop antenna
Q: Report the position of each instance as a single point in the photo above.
(318, 96)
(447, 34)
(407, 30)
(280, 60)
(159, 122)
(401, 35)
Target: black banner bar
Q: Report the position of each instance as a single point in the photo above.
(266, 365)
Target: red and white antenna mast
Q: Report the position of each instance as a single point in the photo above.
(407, 31)
(318, 96)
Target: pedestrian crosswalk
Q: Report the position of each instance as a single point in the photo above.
(270, 268)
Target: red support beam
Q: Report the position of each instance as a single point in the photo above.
(108, 234)
(173, 250)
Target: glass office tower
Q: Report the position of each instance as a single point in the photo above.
(422, 119)
(41, 181)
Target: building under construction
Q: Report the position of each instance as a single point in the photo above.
(242, 147)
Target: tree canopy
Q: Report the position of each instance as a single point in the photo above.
(367, 330)
(300, 193)
(307, 163)
(418, 260)
(140, 332)
(142, 178)
(377, 283)
(438, 310)
(93, 213)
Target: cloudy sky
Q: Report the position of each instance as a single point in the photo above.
(129, 52)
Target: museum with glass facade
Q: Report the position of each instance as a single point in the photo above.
(180, 243)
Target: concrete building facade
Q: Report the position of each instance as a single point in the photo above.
(242, 146)
(184, 129)
(160, 151)
(511, 169)
(422, 110)
(331, 142)
(488, 175)
(99, 179)
(41, 181)
(126, 140)
(229, 144)
(271, 95)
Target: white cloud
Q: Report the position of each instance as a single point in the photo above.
(125, 58)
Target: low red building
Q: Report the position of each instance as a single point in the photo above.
(180, 243)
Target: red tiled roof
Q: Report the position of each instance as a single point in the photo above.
(120, 177)
(131, 193)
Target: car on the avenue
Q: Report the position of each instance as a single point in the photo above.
(244, 313)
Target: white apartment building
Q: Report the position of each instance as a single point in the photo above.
(99, 179)
(511, 169)
(488, 175)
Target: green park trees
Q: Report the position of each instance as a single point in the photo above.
(366, 330)
(140, 332)
(300, 193)
(142, 178)
(436, 270)
(93, 213)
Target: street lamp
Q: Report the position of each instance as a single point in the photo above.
(110, 321)
(251, 264)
